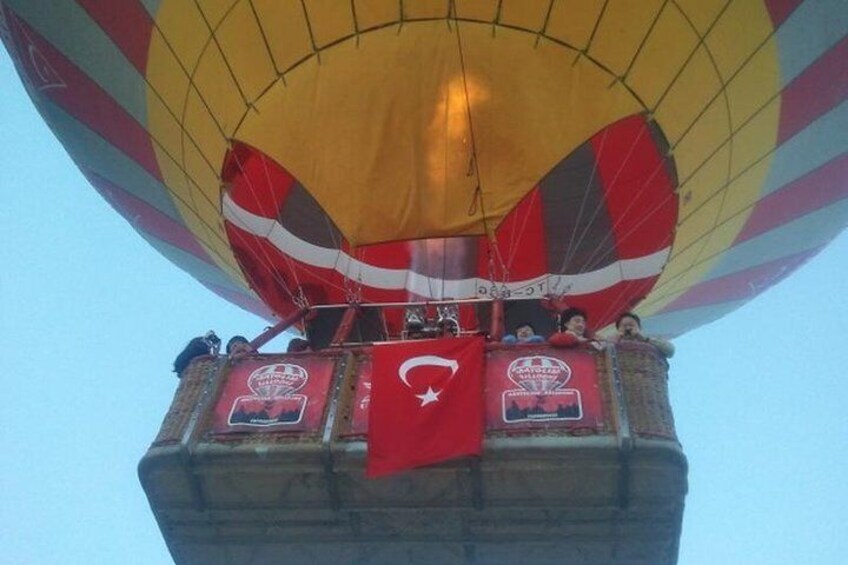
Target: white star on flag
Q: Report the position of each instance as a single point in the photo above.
(429, 396)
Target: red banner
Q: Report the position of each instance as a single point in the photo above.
(542, 388)
(280, 395)
(549, 388)
(426, 403)
(361, 399)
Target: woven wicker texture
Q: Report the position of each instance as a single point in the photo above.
(185, 401)
(644, 374)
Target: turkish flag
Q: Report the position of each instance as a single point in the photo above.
(426, 403)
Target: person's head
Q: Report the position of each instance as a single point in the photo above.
(238, 346)
(628, 324)
(195, 348)
(524, 331)
(297, 345)
(574, 320)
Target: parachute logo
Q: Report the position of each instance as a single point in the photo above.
(541, 396)
(274, 401)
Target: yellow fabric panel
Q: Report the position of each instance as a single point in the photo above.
(284, 24)
(688, 95)
(241, 41)
(740, 195)
(755, 85)
(203, 178)
(704, 183)
(653, 304)
(409, 161)
(720, 239)
(662, 56)
(192, 213)
(375, 13)
(165, 75)
(737, 33)
(675, 278)
(573, 22)
(691, 261)
(183, 28)
(696, 226)
(479, 10)
(528, 123)
(218, 89)
(329, 20)
(203, 132)
(623, 26)
(756, 138)
(702, 13)
(215, 10)
(527, 14)
(166, 132)
(708, 133)
(425, 9)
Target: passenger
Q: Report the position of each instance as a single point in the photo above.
(238, 347)
(572, 331)
(298, 345)
(629, 327)
(206, 345)
(524, 333)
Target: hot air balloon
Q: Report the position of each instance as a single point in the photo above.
(672, 158)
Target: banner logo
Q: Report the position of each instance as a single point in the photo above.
(541, 396)
(274, 401)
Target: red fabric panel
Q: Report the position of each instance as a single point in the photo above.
(394, 255)
(423, 411)
(257, 183)
(604, 306)
(742, 285)
(821, 87)
(779, 10)
(638, 191)
(811, 192)
(67, 86)
(128, 26)
(270, 273)
(145, 217)
(520, 240)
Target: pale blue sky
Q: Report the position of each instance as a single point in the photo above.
(91, 318)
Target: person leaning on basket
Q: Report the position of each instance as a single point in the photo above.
(629, 327)
(572, 331)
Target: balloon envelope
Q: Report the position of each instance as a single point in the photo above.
(676, 158)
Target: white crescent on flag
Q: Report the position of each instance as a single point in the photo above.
(427, 361)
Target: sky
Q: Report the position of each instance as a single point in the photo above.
(91, 318)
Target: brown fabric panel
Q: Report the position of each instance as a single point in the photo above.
(575, 215)
(303, 216)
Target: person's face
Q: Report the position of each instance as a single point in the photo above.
(240, 348)
(628, 327)
(576, 325)
(524, 332)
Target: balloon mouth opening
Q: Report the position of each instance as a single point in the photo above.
(596, 230)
